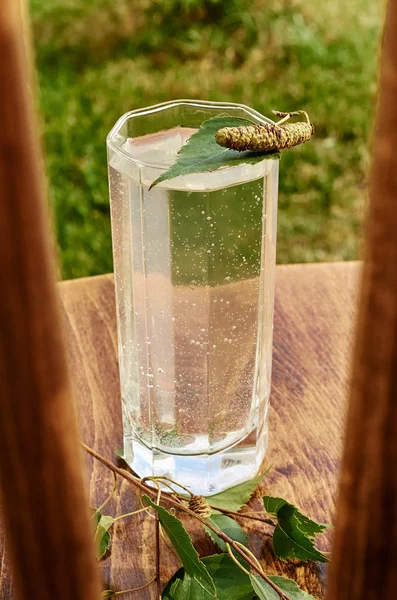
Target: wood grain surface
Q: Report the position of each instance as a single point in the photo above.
(314, 316)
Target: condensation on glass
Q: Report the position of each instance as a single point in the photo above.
(194, 262)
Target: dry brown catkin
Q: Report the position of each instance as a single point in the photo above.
(265, 137)
(199, 505)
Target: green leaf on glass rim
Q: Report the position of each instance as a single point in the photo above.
(231, 582)
(234, 498)
(294, 535)
(202, 154)
(265, 592)
(102, 535)
(228, 526)
(119, 453)
(188, 555)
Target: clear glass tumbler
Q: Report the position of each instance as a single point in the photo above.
(194, 262)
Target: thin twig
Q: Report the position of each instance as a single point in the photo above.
(234, 559)
(131, 514)
(156, 481)
(164, 478)
(283, 120)
(157, 542)
(246, 515)
(157, 534)
(137, 589)
(111, 493)
(149, 490)
(250, 554)
(122, 472)
(158, 573)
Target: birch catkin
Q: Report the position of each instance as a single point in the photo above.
(266, 137)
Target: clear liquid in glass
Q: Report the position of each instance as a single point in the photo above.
(194, 272)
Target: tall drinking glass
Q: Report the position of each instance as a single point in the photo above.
(194, 262)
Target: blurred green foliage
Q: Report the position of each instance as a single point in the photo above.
(97, 59)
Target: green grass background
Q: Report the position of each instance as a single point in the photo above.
(97, 59)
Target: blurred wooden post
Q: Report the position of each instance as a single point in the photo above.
(364, 560)
(44, 506)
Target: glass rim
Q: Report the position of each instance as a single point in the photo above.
(147, 110)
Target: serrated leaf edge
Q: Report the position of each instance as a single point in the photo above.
(318, 556)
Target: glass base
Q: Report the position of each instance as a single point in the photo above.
(202, 474)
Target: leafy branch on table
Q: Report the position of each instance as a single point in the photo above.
(236, 574)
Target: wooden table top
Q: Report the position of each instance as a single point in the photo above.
(314, 318)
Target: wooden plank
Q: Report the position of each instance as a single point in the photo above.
(365, 550)
(313, 321)
(44, 507)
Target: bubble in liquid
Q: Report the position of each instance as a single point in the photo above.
(234, 327)
(209, 218)
(160, 370)
(214, 345)
(172, 319)
(192, 342)
(208, 251)
(227, 278)
(189, 385)
(203, 212)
